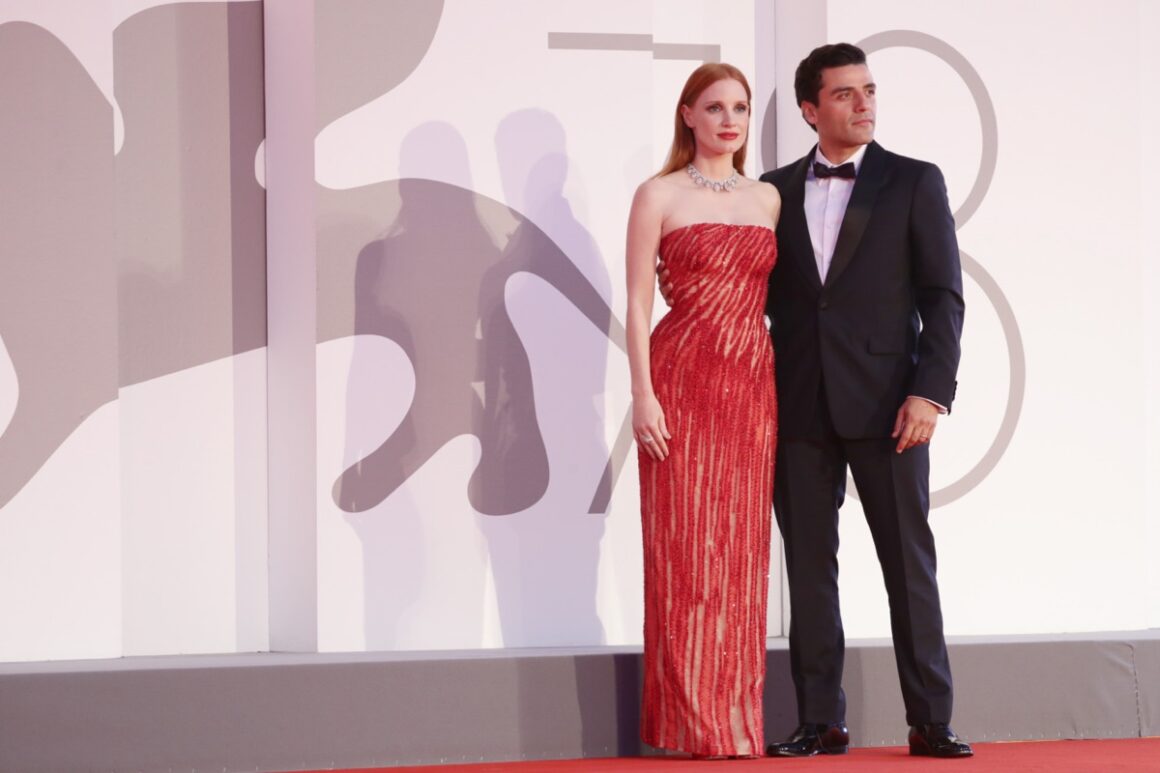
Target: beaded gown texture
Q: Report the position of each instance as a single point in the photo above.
(706, 509)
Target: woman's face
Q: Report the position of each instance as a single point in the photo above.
(719, 118)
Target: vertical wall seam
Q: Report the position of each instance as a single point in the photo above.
(1136, 686)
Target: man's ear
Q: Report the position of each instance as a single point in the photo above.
(810, 113)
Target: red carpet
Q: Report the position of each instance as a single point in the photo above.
(1133, 754)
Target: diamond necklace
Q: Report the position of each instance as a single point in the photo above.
(725, 186)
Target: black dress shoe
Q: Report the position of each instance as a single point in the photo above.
(937, 740)
(809, 740)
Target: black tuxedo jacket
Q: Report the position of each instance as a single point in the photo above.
(886, 322)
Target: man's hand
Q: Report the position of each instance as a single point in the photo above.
(663, 282)
(915, 423)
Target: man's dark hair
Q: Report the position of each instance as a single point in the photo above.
(807, 80)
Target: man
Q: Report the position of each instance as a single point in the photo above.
(867, 252)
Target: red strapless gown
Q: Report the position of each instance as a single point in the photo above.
(706, 508)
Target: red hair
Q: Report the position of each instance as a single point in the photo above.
(684, 145)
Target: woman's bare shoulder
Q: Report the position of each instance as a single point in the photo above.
(658, 192)
(768, 193)
(663, 185)
(767, 196)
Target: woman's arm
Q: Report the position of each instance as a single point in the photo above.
(644, 236)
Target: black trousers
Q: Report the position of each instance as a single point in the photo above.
(809, 487)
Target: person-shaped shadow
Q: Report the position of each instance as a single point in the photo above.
(546, 560)
(415, 285)
(434, 283)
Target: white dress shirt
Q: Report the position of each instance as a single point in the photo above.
(825, 204)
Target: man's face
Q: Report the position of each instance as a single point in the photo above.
(844, 115)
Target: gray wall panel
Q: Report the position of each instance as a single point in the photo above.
(294, 712)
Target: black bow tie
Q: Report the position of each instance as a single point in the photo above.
(846, 171)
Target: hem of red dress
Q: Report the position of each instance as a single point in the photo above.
(703, 752)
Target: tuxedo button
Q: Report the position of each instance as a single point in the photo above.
(823, 305)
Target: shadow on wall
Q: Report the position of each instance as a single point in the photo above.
(58, 293)
(438, 284)
(425, 264)
(435, 284)
(545, 564)
(117, 270)
(363, 49)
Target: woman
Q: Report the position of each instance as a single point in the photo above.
(704, 416)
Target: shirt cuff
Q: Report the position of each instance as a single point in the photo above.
(941, 408)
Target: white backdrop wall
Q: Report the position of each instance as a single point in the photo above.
(474, 165)
(1149, 252)
(1059, 535)
(132, 321)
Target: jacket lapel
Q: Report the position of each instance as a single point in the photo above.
(796, 233)
(871, 177)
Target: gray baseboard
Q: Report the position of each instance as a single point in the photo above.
(271, 711)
